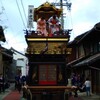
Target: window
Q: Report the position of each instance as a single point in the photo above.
(81, 51)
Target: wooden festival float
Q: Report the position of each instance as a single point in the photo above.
(47, 55)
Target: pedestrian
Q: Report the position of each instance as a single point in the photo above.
(16, 81)
(19, 85)
(87, 86)
(23, 80)
(75, 82)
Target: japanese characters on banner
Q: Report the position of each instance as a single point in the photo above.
(30, 16)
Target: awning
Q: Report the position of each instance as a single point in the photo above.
(6, 52)
(8, 55)
(89, 60)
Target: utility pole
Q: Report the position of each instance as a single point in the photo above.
(62, 20)
(61, 4)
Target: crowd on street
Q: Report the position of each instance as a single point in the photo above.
(4, 84)
(77, 80)
(19, 82)
(82, 83)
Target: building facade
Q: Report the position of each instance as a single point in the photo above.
(86, 56)
(21, 62)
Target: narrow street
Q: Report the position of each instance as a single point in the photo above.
(12, 94)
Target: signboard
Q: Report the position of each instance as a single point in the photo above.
(30, 16)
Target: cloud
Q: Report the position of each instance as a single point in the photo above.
(87, 8)
(84, 15)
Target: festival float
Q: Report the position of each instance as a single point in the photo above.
(47, 55)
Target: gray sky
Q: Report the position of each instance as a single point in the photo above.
(83, 16)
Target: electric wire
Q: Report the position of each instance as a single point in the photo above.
(20, 14)
(7, 40)
(24, 10)
(69, 23)
(72, 26)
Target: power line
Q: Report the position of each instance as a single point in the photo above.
(3, 9)
(72, 26)
(24, 10)
(5, 15)
(20, 14)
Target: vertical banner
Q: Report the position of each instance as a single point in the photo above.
(30, 16)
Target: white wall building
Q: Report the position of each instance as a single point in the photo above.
(21, 61)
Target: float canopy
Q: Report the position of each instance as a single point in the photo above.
(46, 10)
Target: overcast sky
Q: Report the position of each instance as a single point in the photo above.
(83, 16)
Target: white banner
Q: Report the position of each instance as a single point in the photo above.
(30, 16)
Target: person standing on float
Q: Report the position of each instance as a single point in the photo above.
(54, 24)
(41, 26)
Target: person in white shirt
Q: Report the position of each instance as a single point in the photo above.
(54, 24)
(88, 86)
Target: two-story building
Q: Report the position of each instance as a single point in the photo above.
(6, 57)
(85, 57)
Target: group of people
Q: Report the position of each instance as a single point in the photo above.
(45, 27)
(19, 82)
(82, 84)
(4, 84)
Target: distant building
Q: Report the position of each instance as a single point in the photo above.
(6, 57)
(21, 62)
